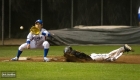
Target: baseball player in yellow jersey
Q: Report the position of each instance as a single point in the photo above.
(35, 39)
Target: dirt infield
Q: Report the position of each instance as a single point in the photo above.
(128, 59)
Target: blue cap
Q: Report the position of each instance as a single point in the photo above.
(39, 21)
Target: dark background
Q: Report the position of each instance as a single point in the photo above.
(57, 14)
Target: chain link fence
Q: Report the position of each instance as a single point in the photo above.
(57, 14)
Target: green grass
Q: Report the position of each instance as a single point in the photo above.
(72, 71)
(8, 51)
(68, 70)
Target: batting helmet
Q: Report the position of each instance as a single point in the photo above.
(68, 49)
(39, 21)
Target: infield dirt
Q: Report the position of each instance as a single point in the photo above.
(128, 59)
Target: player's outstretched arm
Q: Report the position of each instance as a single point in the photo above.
(28, 46)
(29, 38)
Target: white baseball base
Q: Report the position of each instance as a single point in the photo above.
(24, 58)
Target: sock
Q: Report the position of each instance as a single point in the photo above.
(19, 53)
(46, 52)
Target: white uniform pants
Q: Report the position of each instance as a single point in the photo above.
(33, 45)
(113, 55)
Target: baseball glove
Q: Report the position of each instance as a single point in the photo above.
(34, 30)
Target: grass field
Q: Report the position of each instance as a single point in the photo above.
(68, 70)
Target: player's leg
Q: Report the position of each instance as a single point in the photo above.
(98, 57)
(115, 54)
(45, 45)
(127, 48)
(20, 49)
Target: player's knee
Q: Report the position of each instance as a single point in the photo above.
(46, 44)
(23, 46)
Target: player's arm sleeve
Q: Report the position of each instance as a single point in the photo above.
(46, 33)
(29, 38)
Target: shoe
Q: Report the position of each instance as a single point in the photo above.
(128, 48)
(14, 59)
(46, 59)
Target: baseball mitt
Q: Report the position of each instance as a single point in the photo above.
(34, 30)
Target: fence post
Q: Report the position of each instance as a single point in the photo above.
(102, 10)
(41, 10)
(130, 12)
(9, 18)
(2, 22)
(71, 13)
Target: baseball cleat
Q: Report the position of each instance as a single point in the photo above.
(14, 59)
(127, 48)
(46, 59)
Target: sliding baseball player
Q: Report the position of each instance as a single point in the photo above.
(74, 55)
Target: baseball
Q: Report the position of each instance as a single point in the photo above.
(21, 27)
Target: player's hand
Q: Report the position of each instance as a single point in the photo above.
(28, 46)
